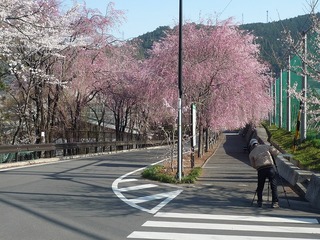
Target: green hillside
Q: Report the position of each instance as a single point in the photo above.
(271, 35)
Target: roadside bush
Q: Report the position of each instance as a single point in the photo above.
(193, 176)
(158, 173)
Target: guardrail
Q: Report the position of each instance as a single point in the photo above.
(49, 150)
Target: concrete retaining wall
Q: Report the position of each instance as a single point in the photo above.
(313, 191)
(296, 177)
(290, 172)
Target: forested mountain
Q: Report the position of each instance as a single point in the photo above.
(269, 35)
(146, 40)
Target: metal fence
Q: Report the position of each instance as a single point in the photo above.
(15, 153)
(286, 107)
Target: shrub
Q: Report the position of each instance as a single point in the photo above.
(193, 176)
(158, 173)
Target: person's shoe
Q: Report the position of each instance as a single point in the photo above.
(275, 205)
(259, 204)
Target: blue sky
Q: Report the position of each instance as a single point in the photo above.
(144, 16)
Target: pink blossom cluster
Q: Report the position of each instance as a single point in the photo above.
(222, 74)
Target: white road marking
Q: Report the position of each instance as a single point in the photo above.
(305, 226)
(155, 197)
(133, 202)
(192, 236)
(138, 187)
(232, 227)
(238, 218)
(129, 180)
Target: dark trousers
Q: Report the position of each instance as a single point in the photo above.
(263, 174)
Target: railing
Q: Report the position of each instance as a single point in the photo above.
(35, 151)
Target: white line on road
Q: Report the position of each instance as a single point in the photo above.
(170, 195)
(232, 227)
(238, 218)
(129, 180)
(138, 187)
(133, 202)
(191, 236)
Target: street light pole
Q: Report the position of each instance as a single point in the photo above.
(275, 102)
(280, 99)
(303, 134)
(180, 95)
(289, 96)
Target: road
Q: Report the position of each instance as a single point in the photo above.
(75, 200)
(104, 197)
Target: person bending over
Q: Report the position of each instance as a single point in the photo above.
(262, 159)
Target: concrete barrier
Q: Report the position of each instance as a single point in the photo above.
(313, 191)
(288, 170)
(295, 176)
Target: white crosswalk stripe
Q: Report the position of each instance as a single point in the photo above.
(239, 227)
(237, 217)
(231, 227)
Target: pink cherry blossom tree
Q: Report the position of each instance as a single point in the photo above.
(82, 65)
(123, 87)
(222, 74)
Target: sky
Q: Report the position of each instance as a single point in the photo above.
(144, 16)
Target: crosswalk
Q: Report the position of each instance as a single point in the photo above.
(177, 226)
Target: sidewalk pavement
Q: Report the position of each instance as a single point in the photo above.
(232, 181)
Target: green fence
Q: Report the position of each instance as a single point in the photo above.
(296, 79)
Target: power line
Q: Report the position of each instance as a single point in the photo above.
(225, 8)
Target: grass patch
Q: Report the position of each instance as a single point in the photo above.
(307, 153)
(160, 173)
(282, 137)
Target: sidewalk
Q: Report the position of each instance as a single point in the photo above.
(232, 181)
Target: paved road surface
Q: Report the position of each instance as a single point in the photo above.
(104, 197)
(75, 199)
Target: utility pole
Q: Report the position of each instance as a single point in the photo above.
(275, 102)
(303, 133)
(193, 131)
(180, 167)
(280, 100)
(271, 112)
(288, 96)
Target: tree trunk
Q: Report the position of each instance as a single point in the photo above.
(200, 144)
(207, 139)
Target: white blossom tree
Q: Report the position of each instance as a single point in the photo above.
(307, 48)
(35, 38)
